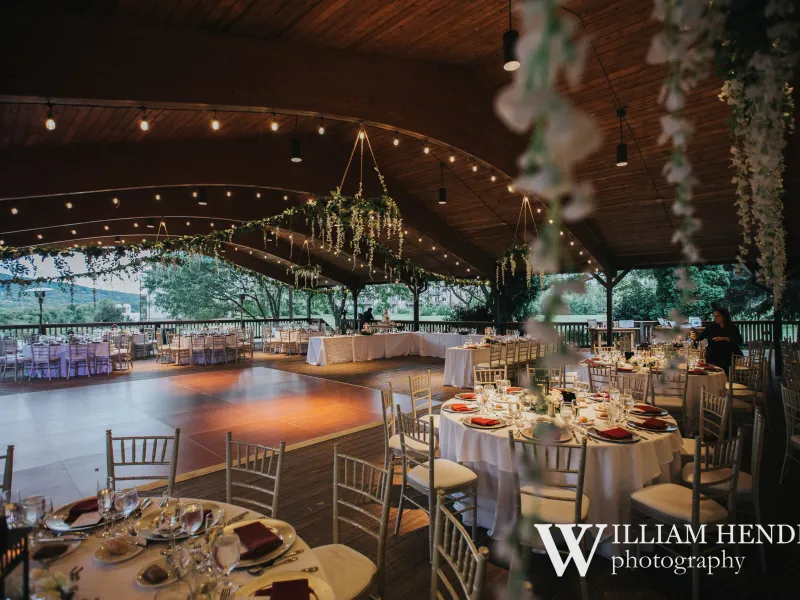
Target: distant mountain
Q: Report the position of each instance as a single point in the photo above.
(60, 295)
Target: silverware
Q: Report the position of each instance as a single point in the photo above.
(226, 592)
(286, 558)
(236, 519)
(310, 570)
(59, 540)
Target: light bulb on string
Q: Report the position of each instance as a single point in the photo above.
(274, 124)
(474, 167)
(396, 140)
(426, 149)
(493, 178)
(144, 124)
(215, 122)
(321, 129)
(50, 123)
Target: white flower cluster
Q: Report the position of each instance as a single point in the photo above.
(48, 585)
(562, 135)
(686, 45)
(763, 110)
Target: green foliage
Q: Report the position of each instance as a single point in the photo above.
(107, 312)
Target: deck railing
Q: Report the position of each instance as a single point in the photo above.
(258, 325)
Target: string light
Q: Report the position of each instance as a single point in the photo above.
(458, 263)
(474, 167)
(144, 124)
(452, 157)
(258, 194)
(419, 240)
(68, 205)
(396, 140)
(158, 196)
(194, 194)
(510, 188)
(274, 124)
(212, 223)
(426, 149)
(228, 193)
(550, 221)
(572, 243)
(493, 177)
(73, 231)
(136, 225)
(50, 123)
(215, 122)
(39, 236)
(105, 227)
(115, 201)
(321, 129)
(14, 211)
(285, 197)
(538, 210)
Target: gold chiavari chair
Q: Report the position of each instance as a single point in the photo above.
(360, 499)
(484, 376)
(497, 357)
(455, 553)
(44, 357)
(143, 450)
(714, 417)
(601, 377)
(422, 397)
(669, 392)
(259, 461)
(78, 356)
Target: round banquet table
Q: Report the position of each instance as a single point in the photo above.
(459, 364)
(103, 581)
(713, 382)
(101, 349)
(613, 471)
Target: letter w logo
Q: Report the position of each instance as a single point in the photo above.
(573, 546)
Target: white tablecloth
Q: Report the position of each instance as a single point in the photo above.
(101, 349)
(713, 382)
(613, 471)
(436, 344)
(459, 364)
(117, 581)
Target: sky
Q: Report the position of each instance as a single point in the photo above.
(121, 283)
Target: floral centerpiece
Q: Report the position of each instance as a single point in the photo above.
(53, 585)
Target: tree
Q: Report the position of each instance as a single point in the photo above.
(202, 288)
(108, 312)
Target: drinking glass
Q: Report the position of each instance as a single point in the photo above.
(225, 552)
(105, 503)
(613, 394)
(613, 410)
(12, 508)
(192, 517)
(169, 522)
(627, 402)
(566, 414)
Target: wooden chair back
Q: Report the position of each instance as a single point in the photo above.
(361, 492)
(455, 553)
(637, 387)
(254, 460)
(421, 394)
(484, 376)
(143, 450)
(714, 415)
(600, 378)
(723, 460)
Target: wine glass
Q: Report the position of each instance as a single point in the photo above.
(225, 553)
(105, 503)
(12, 507)
(627, 402)
(169, 522)
(192, 518)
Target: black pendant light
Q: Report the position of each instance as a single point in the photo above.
(510, 37)
(296, 157)
(622, 147)
(442, 189)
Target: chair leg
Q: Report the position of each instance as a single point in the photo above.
(400, 503)
(475, 514)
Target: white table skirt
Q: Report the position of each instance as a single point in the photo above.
(355, 348)
(208, 342)
(459, 364)
(117, 581)
(101, 349)
(713, 382)
(613, 471)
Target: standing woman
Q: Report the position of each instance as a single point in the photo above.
(723, 339)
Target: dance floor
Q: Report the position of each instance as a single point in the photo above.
(59, 433)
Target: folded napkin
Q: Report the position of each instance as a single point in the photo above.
(617, 433)
(466, 396)
(295, 589)
(484, 421)
(459, 407)
(653, 423)
(87, 505)
(697, 372)
(258, 539)
(567, 396)
(512, 390)
(646, 408)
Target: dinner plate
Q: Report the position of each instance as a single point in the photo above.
(147, 525)
(598, 436)
(320, 590)
(281, 528)
(468, 422)
(56, 521)
(102, 555)
(69, 548)
(565, 435)
(638, 425)
(639, 413)
(446, 408)
(162, 562)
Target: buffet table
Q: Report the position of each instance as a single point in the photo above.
(357, 348)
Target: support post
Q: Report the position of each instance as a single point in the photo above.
(611, 274)
(355, 292)
(417, 288)
(291, 303)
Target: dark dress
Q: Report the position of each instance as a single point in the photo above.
(719, 353)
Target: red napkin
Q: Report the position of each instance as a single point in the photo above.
(258, 539)
(86, 505)
(459, 407)
(697, 372)
(295, 589)
(511, 390)
(467, 396)
(617, 433)
(653, 423)
(646, 408)
(484, 422)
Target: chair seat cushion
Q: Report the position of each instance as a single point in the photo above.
(349, 573)
(487, 365)
(550, 509)
(446, 474)
(675, 501)
(426, 419)
(394, 444)
(795, 440)
(688, 445)
(669, 402)
(744, 484)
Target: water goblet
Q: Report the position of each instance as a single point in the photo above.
(105, 503)
(613, 410)
(192, 518)
(169, 522)
(627, 402)
(225, 552)
(12, 508)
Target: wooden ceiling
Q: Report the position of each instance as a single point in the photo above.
(427, 69)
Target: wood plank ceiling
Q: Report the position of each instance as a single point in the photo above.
(631, 226)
